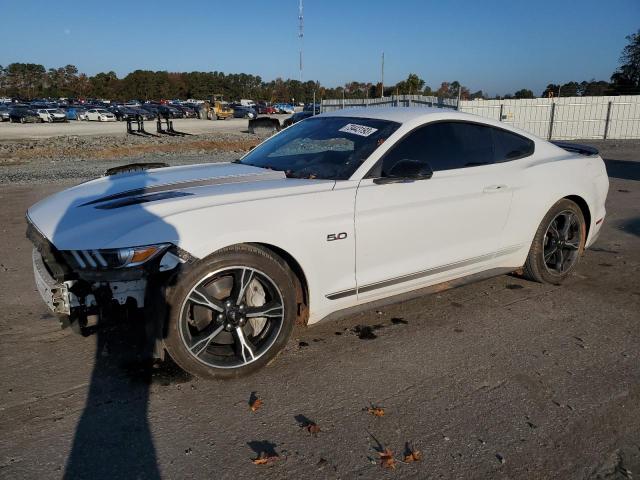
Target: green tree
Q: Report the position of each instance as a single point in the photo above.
(570, 89)
(626, 79)
(24, 79)
(413, 85)
(595, 88)
(105, 85)
(523, 93)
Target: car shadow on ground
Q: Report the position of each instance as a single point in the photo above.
(623, 169)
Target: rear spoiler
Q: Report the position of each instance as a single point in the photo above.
(577, 148)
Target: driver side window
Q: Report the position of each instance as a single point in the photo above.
(412, 147)
(443, 146)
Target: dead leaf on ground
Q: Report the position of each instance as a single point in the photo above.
(386, 459)
(257, 403)
(376, 411)
(313, 428)
(263, 459)
(413, 456)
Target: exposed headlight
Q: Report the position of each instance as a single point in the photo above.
(107, 259)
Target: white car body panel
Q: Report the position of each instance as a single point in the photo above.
(416, 234)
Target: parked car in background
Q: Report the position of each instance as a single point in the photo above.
(122, 113)
(150, 108)
(284, 108)
(170, 111)
(187, 111)
(265, 109)
(52, 115)
(244, 112)
(4, 113)
(100, 115)
(23, 114)
(296, 117)
(310, 107)
(145, 114)
(75, 112)
(198, 108)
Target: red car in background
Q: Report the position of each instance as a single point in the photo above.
(264, 109)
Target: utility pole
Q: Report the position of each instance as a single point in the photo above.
(300, 34)
(382, 78)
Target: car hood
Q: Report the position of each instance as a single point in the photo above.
(103, 213)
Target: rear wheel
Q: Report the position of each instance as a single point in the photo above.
(557, 245)
(232, 313)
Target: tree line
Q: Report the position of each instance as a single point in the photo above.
(30, 80)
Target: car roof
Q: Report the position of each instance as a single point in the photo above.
(399, 114)
(420, 115)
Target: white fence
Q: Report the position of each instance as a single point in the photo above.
(562, 118)
(394, 101)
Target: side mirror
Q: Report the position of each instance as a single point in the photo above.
(406, 170)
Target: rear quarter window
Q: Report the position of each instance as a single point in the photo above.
(511, 146)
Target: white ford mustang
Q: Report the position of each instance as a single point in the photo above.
(338, 212)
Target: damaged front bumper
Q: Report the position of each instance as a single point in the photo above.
(85, 296)
(80, 297)
(55, 294)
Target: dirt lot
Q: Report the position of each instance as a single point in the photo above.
(499, 379)
(19, 131)
(82, 150)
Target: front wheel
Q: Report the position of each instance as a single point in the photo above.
(557, 245)
(231, 313)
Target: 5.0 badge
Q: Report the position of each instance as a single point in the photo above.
(336, 236)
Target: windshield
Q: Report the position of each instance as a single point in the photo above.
(329, 148)
(101, 110)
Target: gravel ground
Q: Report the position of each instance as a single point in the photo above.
(500, 379)
(81, 157)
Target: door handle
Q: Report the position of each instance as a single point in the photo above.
(494, 188)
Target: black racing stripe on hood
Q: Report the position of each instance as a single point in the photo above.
(137, 192)
(136, 200)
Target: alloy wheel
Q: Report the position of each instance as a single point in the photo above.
(231, 317)
(561, 244)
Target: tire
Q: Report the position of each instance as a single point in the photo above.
(553, 257)
(209, 342)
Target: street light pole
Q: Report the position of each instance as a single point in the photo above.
(382, 78)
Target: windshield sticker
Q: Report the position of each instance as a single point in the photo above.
(356, 129)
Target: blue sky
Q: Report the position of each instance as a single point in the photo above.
(498, 46)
